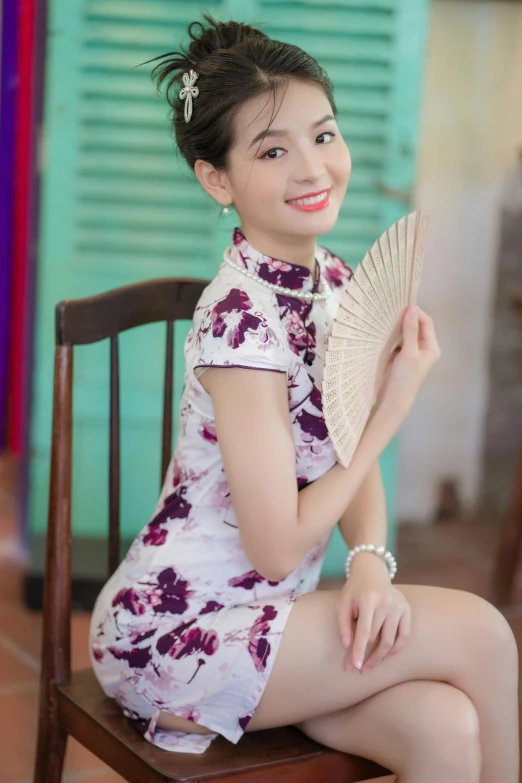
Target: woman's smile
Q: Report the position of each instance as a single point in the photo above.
(311, 202)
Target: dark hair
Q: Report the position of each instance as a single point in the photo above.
(235, 63)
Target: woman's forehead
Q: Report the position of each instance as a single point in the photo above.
(291, 108)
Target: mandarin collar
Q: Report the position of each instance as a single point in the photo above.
(283, 273)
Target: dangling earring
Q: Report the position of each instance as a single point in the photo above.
(226, 210)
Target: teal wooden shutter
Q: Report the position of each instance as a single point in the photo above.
(119, 205)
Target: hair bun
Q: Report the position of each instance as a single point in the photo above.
(220, 35)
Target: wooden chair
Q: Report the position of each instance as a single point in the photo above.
(72, 703)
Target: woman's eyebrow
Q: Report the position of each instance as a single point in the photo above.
(274, 132)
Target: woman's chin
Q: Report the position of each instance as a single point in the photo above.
(315, 224)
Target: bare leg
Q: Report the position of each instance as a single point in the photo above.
(457, 638)
(427, 732)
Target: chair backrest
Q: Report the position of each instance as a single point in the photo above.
(80, 322)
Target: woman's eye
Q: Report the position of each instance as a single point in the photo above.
(272, 157)
(326, 133)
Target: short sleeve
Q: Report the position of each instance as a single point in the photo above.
(235, 331)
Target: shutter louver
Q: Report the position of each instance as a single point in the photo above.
(136, 200)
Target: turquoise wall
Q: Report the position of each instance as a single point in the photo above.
(119, 205)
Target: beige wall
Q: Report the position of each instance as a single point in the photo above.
(471, 128)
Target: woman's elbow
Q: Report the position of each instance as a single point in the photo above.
(273, 556)
(274, 568)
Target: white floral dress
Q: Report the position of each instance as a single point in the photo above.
(186, 624)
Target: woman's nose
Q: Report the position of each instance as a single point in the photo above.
(309, 166)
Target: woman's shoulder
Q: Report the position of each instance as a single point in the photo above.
(231, 292)
(236, 323)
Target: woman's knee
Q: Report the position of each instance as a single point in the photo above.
(445, 734)
(493, 638)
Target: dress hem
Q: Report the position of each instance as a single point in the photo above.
(192, 742)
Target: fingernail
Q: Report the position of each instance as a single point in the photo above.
(358, 663)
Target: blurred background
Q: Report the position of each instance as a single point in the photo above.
(93, 196)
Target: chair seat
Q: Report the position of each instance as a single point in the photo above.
(274, 754)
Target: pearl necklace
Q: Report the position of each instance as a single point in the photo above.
(307, 296)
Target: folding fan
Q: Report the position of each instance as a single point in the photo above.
(368, 328)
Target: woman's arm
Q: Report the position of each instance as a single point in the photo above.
(278, 525)
(371, 610)
(365, 520)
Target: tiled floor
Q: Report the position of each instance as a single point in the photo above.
(458, 556)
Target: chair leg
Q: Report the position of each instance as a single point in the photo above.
(52, 743)
(510, 545)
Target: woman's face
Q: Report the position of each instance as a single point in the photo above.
(303, 153)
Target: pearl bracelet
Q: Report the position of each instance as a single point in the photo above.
(377, 550)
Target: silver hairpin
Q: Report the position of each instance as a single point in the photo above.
(188, 92)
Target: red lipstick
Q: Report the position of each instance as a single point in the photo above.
(322, 204)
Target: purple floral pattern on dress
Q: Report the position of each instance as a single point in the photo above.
(259, 646)
(237, 303)
(175, 507)
(208, 432)
(186, 624)
(301, 331)
(174, 593)
(248, 580)
(166, 594)
(136, 657)
(129, 599)
(211, 606)
(336, 273)
(244, 720)
(188, 639)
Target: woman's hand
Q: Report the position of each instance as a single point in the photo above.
(412, 362)
(372, 612)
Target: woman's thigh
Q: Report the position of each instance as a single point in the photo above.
(452, 631)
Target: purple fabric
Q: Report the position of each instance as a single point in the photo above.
(8, 86)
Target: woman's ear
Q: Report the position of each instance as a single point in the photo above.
(215, 182)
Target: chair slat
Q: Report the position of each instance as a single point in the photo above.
(56, 642)
(166, 440)
(114, 460)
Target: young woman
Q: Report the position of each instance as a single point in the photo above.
(212, 624)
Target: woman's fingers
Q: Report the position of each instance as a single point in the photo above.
(382, 628)
(410, 327)
(419, 333)
(345, 622)
(427, 336)
(403, 633)
(362, 633)
(379, 616)
(388, 635)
